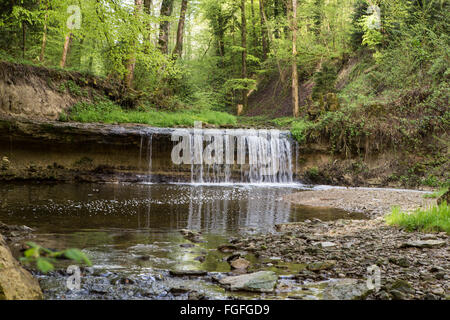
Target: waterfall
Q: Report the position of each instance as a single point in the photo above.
(228, 156)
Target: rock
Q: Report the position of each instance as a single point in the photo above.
(403, 286)
(179, 291)
(262, 281)
(327, 244)
(402, 262)
(240, 263)
(5, 163)
(424, 244)
(190, 235)
(322, 265)
(397, 295)
(227, 248)
(15, 282)
(189, 273)
(346, 289)
(200, 259)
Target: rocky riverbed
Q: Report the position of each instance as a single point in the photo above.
(411, 265)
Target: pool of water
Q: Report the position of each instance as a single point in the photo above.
(131, 231)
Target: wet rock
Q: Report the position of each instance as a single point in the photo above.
(240, 263)
(187, 245)
(5, 163)
(227, 248)
(178, 291)
(322, 265)
(346, 289)
(193, 236)
(200, 258)
(188, 273)
(262, 281)
(423, 244)
(194, 295)
(15, 282)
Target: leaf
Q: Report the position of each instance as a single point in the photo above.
(77, 255)
(44, 265)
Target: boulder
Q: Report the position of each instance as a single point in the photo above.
(262, 281)
(15, 282)
(240, 263)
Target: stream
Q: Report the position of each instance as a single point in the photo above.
(131, 232)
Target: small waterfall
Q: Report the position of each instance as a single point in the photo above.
(227, 156)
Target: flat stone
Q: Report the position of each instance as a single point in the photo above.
(346, 289)
(327, 244)
(262, 281)
(424, 244)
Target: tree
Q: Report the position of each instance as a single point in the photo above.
(132, 60)
(294, 60)
(178, 50)
(166, 12)
(244, 52)
(265, 48)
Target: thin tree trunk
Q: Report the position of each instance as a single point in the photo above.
(263, 30)
(294, 60)
(178, 50)
(244, 52)
(255, 37)
(148, 10)
(44, 34)
(164, 27)
(132, 61)
(24, 38)
(66, 47)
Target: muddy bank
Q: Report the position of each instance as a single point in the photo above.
(373, 202)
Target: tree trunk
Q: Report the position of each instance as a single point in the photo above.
(148, 10)
(294, 60)
(263, 30)
(131, 63)
(166, 11)
(178, 50)
(66, 47)
(24, 38)
(44, 35)
(244, 52)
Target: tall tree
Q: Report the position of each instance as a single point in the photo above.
(178, 50)
(265, 47)
(244, 52)
(44, 34)
(294, 60)
(164, 27)
(66, 47)
(131, 63)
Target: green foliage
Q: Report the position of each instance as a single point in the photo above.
(436, 194)
(45, 258)
(108, 112)
(434, 219)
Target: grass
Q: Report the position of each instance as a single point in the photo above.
(434, 219)
(436, 194)
(108, 112)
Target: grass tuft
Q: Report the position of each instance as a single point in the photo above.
(434, 219)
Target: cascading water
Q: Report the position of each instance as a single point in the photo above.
(229, 156)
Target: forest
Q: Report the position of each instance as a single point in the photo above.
(100, 104)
